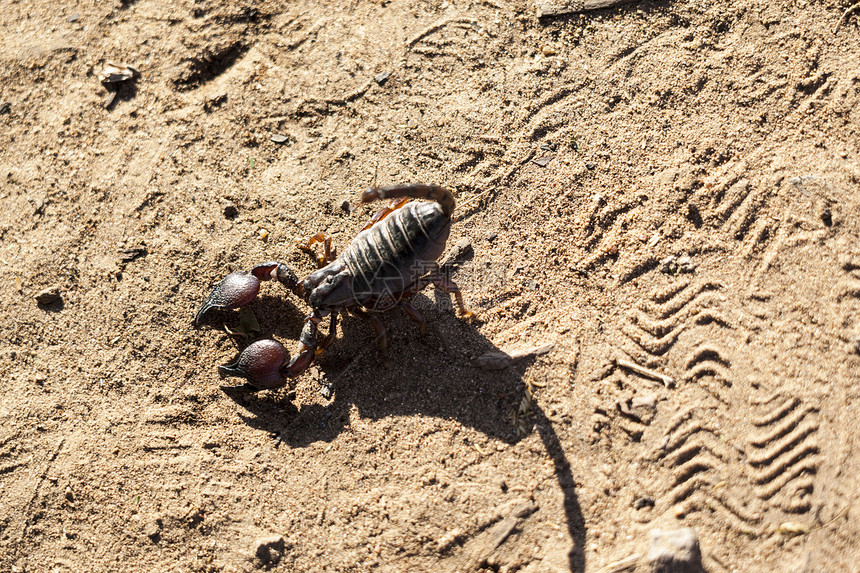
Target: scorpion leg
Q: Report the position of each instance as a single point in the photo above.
(308, 351)
(447, 285)
(332, 333)
(321, 259)
(381, 334)
(415, 315)
(386, 211)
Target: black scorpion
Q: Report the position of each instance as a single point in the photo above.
(390, 260)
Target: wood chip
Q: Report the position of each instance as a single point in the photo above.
(128, 255)
(49, 295)
(499, 360)
(481, 547)
(622, 565)
(114, 73)
(562, 7)
(543, 161)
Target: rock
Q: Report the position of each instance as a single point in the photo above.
(673, 265)
(642, 408)
(685, 265)
(450, 539)
(643, 502)
(675, 551)
(269, 549)
(49, 295)
(115, 73)
(462, 249)
(153, 530)
(381, 78)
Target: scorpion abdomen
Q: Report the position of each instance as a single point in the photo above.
(389, 258)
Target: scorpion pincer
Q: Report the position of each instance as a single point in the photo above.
(391, 259)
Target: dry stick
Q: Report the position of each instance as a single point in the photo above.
(549, 9)
(627, 564)
(436, 27)
(846, 15)
(667, 381)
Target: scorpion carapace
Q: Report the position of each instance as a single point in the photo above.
(390, 260)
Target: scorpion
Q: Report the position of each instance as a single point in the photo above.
(391, 259)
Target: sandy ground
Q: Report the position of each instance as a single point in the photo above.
(674, 185)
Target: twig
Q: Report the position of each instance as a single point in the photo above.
(845, 15)
(628, 563)
(436, 27)
(471, 200)
(339, 101)
(667, 381)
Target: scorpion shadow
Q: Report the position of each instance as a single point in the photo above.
(429, 375)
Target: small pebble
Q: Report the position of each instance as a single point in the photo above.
(643, 502)
(492, 237)
(685, 264)
(590, 166)
(462, 248)
(269, 549)
(346, 206)
(675, 551)
(532, 284)
(448, 540)
(231, 212)
(642, 408)
(381, 78)
(49, 295)
(153, 530)
(279, 138)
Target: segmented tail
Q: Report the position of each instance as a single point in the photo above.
(414, 190)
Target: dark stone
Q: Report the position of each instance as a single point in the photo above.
(269, 549)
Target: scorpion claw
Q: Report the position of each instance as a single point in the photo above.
(260, 364)
(237, 289)
(245, 388)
